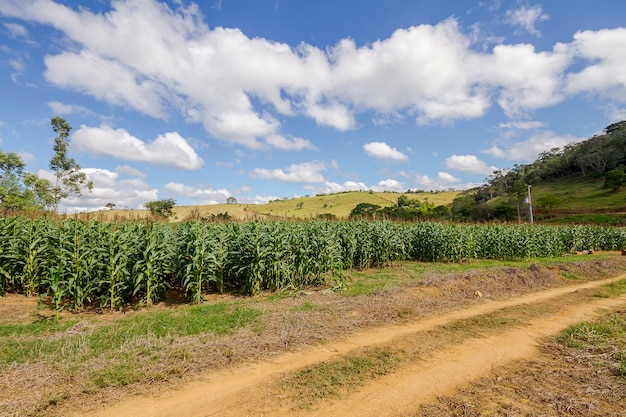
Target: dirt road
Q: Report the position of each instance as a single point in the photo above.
(254, 390)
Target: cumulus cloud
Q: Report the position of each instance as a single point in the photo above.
(163, 60)
(381, 150)
(130, 171)
(389, 185)
(468, 163)
(525, 79)
(443, 181)
(527, 18)
(330, 187)
(108, 188)
(528, 150)
(605, 74)
(155, 59)
(305, 173)
(206, 195)
(427, 69)
(169, 149)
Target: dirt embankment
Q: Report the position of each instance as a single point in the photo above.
(446, 330)
(256, 390)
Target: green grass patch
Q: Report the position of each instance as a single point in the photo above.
(306, 306)
(39, 327)
(217, 318)
(369, 281)
(38, 341)
(577, 192)
(602, 343)
(592, 219)
(333, 379)
(612, 290)
(494, 320)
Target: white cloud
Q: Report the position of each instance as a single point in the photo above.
(615, 113)
(384, 119)
(169, 149)
(526, 79)
(306, 172)
(128, 170)
(201, 195)
(443, 181)
(164, 60)
(468, 163)
(108, 188)
(293, 144)
(107, 80)
(257, 199)
(448, 178)
(429, 70)
(333, 187)
(389, 185)
(527, 18)
(16, 30)
(522, 125)
(27, 157)
(63, 109)
(381, 150)
(528, 150)
(605, 74)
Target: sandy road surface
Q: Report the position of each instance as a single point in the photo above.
(244, 392)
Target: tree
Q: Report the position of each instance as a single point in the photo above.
(11, 186)
(69, 179)
(161, 208)
(504, 211)
(109, 205)
(231, 200)
(364, 210)
(403, 201)
(20, 190)
(614, 179)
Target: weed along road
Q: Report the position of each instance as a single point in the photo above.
(416, 379)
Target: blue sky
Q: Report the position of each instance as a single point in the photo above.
(266, 99)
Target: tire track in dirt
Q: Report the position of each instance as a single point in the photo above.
(243, 391)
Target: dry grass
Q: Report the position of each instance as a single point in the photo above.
(290, 322)
(339, 205)
(561, 382)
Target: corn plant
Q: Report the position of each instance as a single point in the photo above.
(196, 250)
(57, 283)
(114, 289)
(81, 252)
(29, 254)
(249, 259)
(6, 227)
(154, 263)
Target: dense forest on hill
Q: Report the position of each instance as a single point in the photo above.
(504, 196)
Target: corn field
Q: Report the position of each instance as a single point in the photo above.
(78, 263)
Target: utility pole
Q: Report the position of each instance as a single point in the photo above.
(530, 206)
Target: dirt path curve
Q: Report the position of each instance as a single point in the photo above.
(243, 391)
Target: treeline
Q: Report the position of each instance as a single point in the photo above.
(406, 209)
(75, 264)
(602, 156)
(22, 191)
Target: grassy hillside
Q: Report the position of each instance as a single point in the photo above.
(339, 205)
(581, 200)
(575, 199)
(580, 193)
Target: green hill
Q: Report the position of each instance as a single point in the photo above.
(582, 183)
(337, 206)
